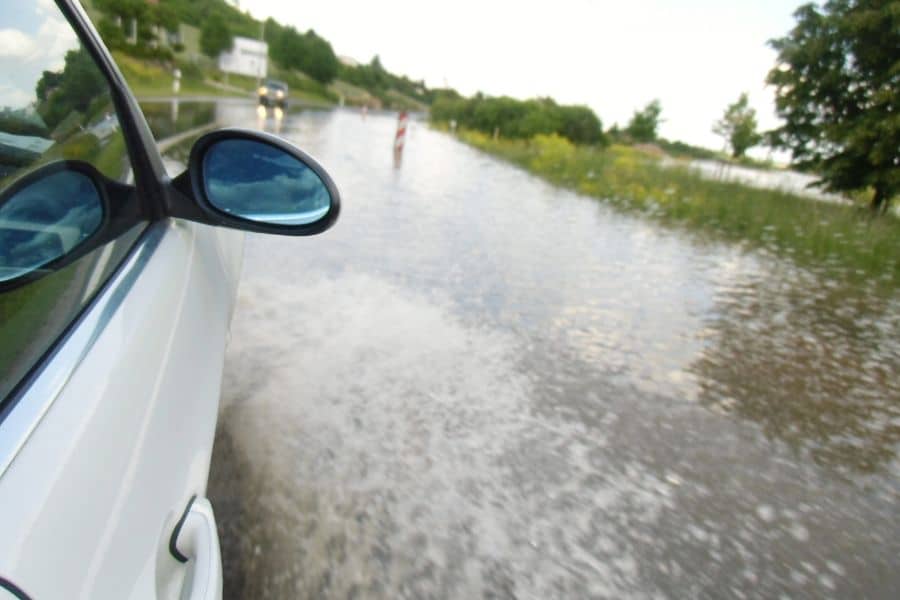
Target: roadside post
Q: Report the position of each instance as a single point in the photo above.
(400, 138)
(176, 81)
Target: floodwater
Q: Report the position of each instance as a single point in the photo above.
(480, 385)
(801, 184)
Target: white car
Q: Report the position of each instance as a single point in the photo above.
(117, 285)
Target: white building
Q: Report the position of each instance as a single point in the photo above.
(247, 57)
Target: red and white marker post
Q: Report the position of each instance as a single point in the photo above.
(400, 138)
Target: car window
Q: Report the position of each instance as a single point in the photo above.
(55, 105)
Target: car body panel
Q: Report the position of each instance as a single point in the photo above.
(106, 432)
(126, 441)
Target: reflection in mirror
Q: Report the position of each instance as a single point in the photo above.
(260, 182)
(45, 220)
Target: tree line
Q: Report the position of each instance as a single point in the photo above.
(308, 52)
(378, 80)
(518, 118)
(836, 81)
(837, 91)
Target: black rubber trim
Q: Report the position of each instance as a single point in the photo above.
(13, 589)
(173, 548)
(114, 201)
(146, 163)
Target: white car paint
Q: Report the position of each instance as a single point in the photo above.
(103, 452)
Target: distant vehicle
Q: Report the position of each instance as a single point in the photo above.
(273, 93)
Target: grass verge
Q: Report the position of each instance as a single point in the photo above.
(845, 240)
(147, 78)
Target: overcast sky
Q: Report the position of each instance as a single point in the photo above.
(696, 56)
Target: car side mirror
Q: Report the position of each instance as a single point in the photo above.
(254, 181)
(56, 214)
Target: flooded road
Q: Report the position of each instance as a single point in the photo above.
(785, 180)
(479, 385)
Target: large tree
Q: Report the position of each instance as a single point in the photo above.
(837, 84)
(215, 36)
(304, 51)
(738, 127)
(319, 60)
(73, 89)
(645, 122)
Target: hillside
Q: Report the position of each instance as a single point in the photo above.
(151, 41)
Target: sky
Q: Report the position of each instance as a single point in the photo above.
(35, 37)
(695, 56)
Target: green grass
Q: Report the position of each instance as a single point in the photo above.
(401, 101)
(353, 95)
(303, 87)
(845, 240)
(147, 78)
(244, 82)
(25, 313)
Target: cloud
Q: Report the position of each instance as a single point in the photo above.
(55, 37)
(26, 53)
(17, 45)
(13, 96)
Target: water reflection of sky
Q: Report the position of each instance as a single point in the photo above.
(777, 179)
(261, 182)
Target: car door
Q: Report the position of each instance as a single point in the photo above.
(116, 289)
(112, 363)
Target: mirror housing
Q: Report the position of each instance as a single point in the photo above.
(256, 166)
(56, 214)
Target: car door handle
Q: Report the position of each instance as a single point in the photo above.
(195, 540)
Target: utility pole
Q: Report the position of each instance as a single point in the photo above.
(262, 38)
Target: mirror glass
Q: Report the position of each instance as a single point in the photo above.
(46, 219)
(259, 182)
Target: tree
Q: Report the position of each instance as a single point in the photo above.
(73, 89)
(305, 51)
(164, 16)
(581, 125)
(318, 60)
(215, 36)
(126, 9)
(112, 34)
(836, 79)
(644, 123)
(738, 127)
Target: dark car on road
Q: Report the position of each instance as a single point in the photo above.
(273, 93)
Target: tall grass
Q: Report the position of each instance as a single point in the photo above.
(843, 239)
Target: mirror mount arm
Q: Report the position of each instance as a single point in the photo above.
(125, 212)
(180, 201)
